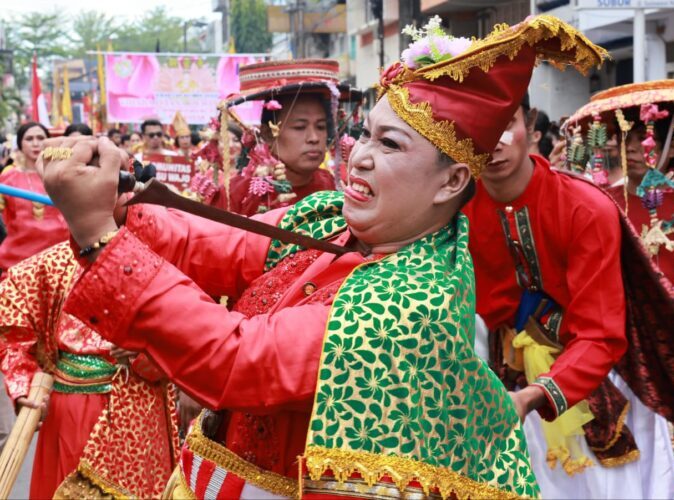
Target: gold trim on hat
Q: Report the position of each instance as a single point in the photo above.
(576, 49)
(441, 133)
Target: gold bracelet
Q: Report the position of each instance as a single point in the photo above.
(107, 238)
(57, 153)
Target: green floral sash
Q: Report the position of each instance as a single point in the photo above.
(401, 392)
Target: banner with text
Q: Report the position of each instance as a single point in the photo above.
(176, 171)
(141, 86)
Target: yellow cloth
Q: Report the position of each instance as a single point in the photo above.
(562, 433)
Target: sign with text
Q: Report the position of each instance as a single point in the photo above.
(176, 171)
(625, 4)
(141, 86)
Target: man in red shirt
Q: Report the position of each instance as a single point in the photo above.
(546, 248)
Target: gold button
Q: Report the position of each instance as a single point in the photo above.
(309, 288)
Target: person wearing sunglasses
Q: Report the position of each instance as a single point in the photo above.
(152, 132)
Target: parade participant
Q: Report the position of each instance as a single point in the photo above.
(640, 115)
(31, 226)
(115, 136)
(550, 289)
(370, 353)
(183, 135)
(540, 143)
(75, 129)
(135, 143)
(153, 140)
(283, 156)
(84, 447)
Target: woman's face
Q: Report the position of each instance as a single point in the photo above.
(234, 146)
(32, 143)
(184, 141)
(396, 188)
(303, 138)
(135, 139)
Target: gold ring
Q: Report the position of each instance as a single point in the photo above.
(57, 153)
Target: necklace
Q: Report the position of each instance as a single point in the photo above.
(38, 208)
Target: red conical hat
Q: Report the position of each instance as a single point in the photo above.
(464, 103)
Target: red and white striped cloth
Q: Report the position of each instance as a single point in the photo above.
(209, 481)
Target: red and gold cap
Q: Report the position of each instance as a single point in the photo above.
(461, 94)
(633, 95)
(269, 79)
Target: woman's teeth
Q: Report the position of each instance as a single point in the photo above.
(362, 189)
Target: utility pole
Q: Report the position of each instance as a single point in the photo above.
(638, 10)
(301, 4)
(409, 13)
(377, 8)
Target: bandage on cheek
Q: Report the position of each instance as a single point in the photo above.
(506, 138)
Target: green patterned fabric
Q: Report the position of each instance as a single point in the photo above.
(399, 381)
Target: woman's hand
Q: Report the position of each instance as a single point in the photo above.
(83, 185)
(44, 405)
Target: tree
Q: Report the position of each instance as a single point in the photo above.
(249, 26)
(156, 27)
(36, 32)
(92, 29)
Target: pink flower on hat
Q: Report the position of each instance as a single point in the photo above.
(273, 105)
(651, 113)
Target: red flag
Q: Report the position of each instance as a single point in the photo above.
(39, 105)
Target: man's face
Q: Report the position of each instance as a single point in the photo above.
(507, 159)
(117, 139)
(153, 136)
(394, 178)
(303, 140)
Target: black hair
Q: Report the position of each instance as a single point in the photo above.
(542, 124)
(82, 128)
(21, 131)
(269, 115)
(526, 103)
(194, 137)
(660, 128)
(236, 130)
(112, 132)
(152, 122)
(125, 138)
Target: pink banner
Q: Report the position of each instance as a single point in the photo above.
(142, 86)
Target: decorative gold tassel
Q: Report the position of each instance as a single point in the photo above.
(625, 127)
(38, 210)
(2, 203)
(224, 143)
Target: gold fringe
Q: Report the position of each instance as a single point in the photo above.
(372, 467)
(618, 429)
(83, 483)
(504, 41)
(441, 133)
(632, 456)
(3, 203)
(210, 450)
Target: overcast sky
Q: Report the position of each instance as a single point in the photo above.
(187, 9)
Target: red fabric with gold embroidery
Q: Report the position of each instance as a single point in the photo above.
(137, 413)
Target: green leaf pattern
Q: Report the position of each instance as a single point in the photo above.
(399, 375)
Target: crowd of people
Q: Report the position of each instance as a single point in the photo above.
(482, 305)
